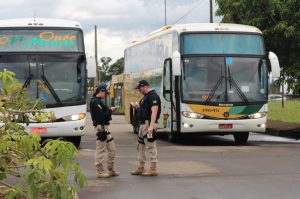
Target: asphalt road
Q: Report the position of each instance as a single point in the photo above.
(198, 168)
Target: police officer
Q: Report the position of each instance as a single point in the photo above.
(149, 112)
(101, 116)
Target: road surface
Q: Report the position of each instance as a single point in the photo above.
(198, 168)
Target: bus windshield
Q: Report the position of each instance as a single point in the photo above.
(64, 75)
(41, 40)
(224, 79)
(217, 43)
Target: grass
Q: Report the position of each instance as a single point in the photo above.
(290, 112)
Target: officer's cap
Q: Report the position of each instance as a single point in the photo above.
(102, 87)
(141, 84)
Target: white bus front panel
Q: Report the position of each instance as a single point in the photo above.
(189, 125)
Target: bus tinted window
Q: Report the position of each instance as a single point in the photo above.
(223, 44)
(33, 40)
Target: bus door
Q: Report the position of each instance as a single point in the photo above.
(166, 111)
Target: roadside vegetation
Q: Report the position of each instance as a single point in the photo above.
(38, 170)
(279, 22)
(290, 112)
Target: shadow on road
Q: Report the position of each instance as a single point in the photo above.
(293, 134)
(227, 140)
(200, 140)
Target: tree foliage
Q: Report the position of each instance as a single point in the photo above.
(279, 20)
(104, 69)
(107, 70)
(45, 168)
(117, 67)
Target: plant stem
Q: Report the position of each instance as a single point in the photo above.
(35, 104)
(12, 174)
(29, 111)
(6, 184)
(15, 167)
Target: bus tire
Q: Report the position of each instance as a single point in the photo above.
(173, 137)
(75, 140)
(241, 138)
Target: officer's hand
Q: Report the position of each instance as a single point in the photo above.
(135, 105)
(113, 109)
(150, 130)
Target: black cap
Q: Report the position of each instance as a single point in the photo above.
(141, 84)
(102, 87)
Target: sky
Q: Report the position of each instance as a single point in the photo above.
(119, 21)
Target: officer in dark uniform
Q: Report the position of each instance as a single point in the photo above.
(149, 113)
(101, 116)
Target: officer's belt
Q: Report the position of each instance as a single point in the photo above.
(144, 122)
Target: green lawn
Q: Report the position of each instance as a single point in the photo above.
(290, 112)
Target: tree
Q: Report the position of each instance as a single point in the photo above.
(104, 69)
(107, 69)
(44, 170)
(279, 20)
(117, 67)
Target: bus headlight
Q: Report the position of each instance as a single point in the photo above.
(258, 115)
(192, 115)
(74, 117)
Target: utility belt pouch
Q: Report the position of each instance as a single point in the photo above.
(151, 137)
(102, 136)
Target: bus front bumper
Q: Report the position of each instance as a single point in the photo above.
(189, 125)
(58, 129)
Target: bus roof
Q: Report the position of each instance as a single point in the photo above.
(38, 22)
(198, 27)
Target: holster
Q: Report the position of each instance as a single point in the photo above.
(154, 133)
(153, 138)
(102, 135)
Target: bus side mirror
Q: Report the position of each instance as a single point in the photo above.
(176, 63)
(274, 65)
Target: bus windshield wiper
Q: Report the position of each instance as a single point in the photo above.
(28, 80)
(52, 91)
(234, 84)
(47, 83)
(212, 93)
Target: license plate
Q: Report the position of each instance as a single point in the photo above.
(225, 126)
(38, 130)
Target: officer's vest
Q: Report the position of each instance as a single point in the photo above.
(145, 110)
(105, 114)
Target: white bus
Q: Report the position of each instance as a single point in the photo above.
(53, 51)
(212, 78)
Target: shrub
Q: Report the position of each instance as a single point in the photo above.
(43, 170)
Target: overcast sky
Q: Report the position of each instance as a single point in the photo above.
(119, 21)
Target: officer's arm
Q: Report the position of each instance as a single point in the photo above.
(154, 110)
(92, 110)
(107, 112)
